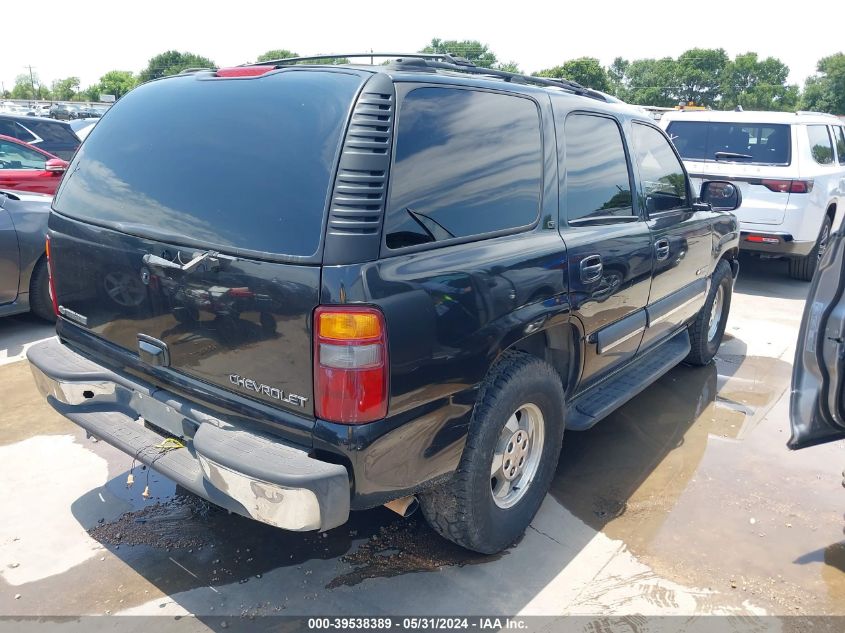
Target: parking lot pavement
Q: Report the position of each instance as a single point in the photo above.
(685, 501)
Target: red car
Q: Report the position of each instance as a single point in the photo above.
(27, 168)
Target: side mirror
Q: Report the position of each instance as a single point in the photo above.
(55, 165)
(720, 195)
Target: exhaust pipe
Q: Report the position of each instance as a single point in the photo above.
(404, 507)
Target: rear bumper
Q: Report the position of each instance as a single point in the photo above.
(249, 473)
(775, 243)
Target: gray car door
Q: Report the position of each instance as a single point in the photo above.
(9, 258)
(817, 408)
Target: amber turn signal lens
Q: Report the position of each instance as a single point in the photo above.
(346, 326)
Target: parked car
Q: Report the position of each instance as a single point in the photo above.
(456, 324)
(27, 168)
(55, 137)
(64, 112)
(24, 283)
(789, 167)
(817, 406)
(88, 112)
(82, 127)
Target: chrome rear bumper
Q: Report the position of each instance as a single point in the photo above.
(252, 474)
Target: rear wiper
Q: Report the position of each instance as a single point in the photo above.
(731, 155)
(199, 258)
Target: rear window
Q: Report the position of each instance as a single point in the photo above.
(226, 163)
(754, 143)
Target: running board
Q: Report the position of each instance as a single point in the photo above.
(601, 400)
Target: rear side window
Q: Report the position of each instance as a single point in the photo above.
(753, 143)
(466, 163)
(226, 163)
(53, 132)
(598, 183)
(821, 147)
(840, 144)
(664, 182)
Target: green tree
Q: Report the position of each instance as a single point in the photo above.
(91, 93)
(473, 50)
(65, 89)
(617, 75)
(587, 71)
(172, 63)
(511, 67)
(23, 88)
(757, 84)
(651, 82)
(699, 75)
(280, 53)
(117, 83)
(825, 92)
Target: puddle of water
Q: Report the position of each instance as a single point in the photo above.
(695, 478)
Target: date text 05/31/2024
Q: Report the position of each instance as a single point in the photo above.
(424, 623)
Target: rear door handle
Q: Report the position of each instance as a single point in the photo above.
(661, 249)
(591, 268)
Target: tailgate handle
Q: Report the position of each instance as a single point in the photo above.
(152, 351)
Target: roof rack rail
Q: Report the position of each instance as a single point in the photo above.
(816, 113)
(190, 71)
(449, 61)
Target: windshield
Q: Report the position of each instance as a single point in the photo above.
(754, 143)
(233, 164)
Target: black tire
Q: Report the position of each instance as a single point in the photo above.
(803, 268)
(39, 292)
(705, 343)
(462, 509)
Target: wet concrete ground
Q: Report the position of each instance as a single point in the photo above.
(685, 501)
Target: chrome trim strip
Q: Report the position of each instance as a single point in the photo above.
(665, 316)
(619, 341)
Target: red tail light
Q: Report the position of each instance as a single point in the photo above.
(350, 364)
(788, 186)
(52, 283)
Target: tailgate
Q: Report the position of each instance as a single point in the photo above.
(236, 323)
(760, 205)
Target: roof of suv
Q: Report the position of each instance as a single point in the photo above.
(751, 116)
(448, 68)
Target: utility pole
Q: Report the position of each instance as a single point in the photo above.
(31, 81)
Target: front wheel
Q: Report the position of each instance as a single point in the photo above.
(707, 330)
(510, 457)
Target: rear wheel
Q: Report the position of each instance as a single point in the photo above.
(706, 331)
(510, 457)
(803, 268)
(40, 301)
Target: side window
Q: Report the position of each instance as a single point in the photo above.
(598, 183)
(466, 163)
(663, 180)
(839, 132)
(54, 132)
(7, 128)
(23, 134)
(14, 156)
(821, 146)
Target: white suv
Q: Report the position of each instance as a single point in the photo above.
(789, 167)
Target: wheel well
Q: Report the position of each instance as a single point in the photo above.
(556, 346)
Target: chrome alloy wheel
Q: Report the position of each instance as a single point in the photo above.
(716, 313)
(517, 455)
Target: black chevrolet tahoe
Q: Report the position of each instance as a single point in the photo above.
(388, 285)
